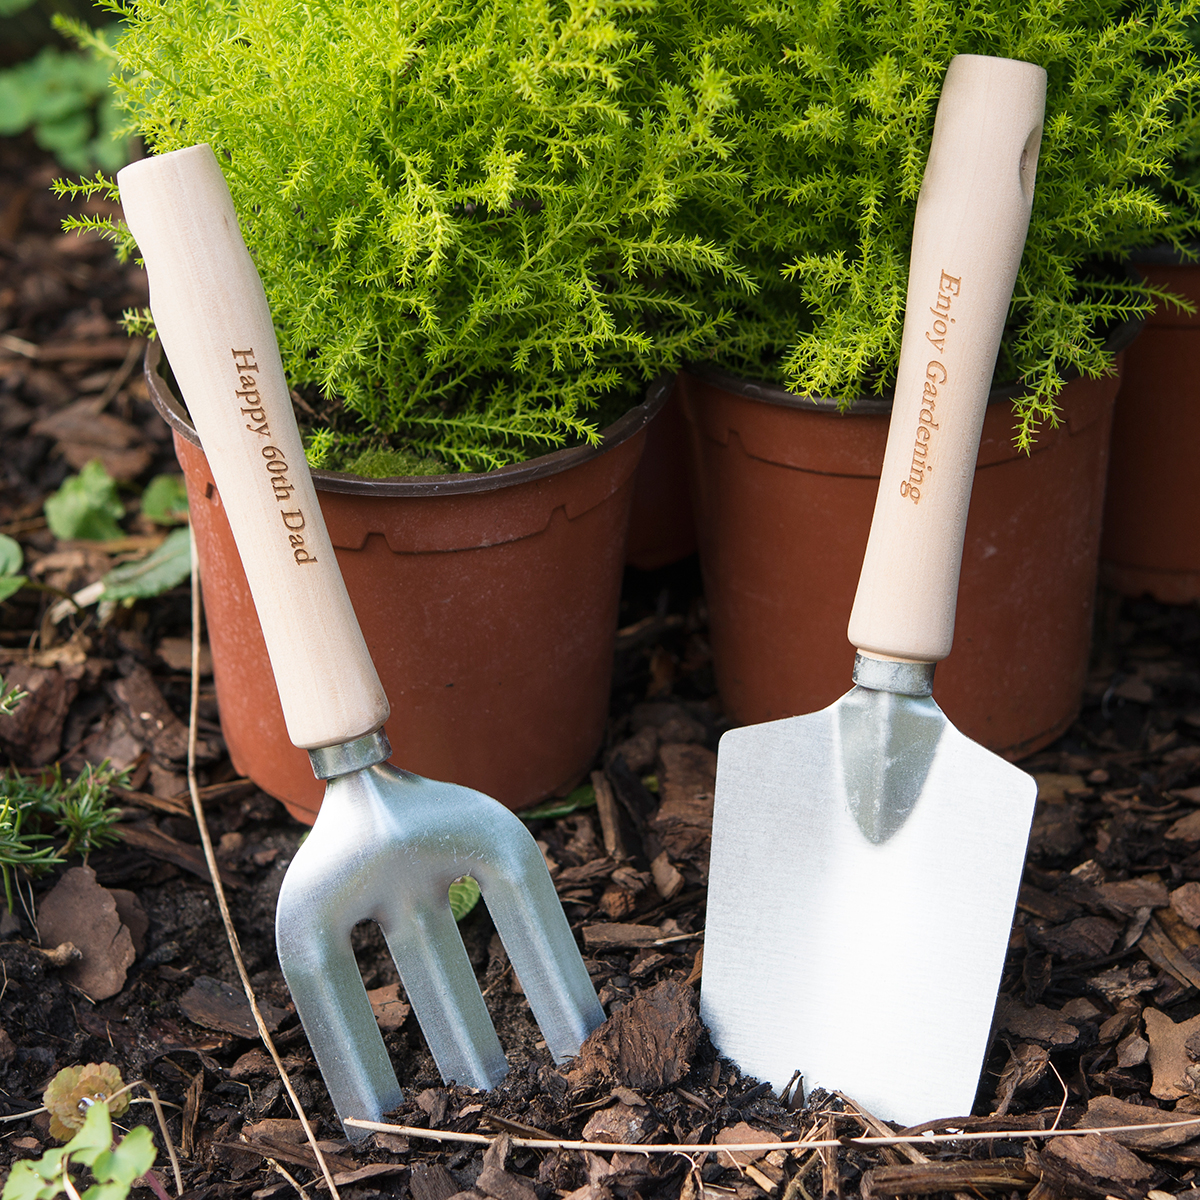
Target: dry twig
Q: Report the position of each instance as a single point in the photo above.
(214, 872)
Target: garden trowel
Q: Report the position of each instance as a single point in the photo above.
(866, 858)
(386, 844)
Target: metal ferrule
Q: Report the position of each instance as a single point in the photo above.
(330, 761)
(887, 675)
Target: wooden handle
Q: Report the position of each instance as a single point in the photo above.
(972, 217)
(215, 326)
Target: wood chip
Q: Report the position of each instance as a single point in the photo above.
(607, 936)
(431, 1181)
(1167, 956)
(1037, 1024)
(32, 736)
(148, 837)
(1083, 938)
(1186, 829)
(1046, 905)
(155, 721)
(919, 1179)
(1103, 1111)
(1095, 1164)
(1169, 1059)
(649, 1044)
(1127, 896)
(390, 1011)
(687, 784)
(1185, 903)
(667, 879)
(610, 816)
(743, 1132)
(214, 1004)
(1052, 788)
(621, 1123)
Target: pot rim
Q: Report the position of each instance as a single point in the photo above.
(634, 421)
(865, 406)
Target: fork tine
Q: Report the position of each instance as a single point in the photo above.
(526, 911)
(437, 976)
(322, 975)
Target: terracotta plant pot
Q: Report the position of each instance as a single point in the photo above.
(1151, 538)
(661, 527)
(784, 491)
(488, 602)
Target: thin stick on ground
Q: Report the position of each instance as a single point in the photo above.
(918, 1139)
(290, 1178)
(211, 859)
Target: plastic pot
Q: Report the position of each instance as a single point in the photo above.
(784, 490)
(662, 529)
(1151, 538)
(488, 602)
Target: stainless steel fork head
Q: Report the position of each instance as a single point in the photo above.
(386, 846)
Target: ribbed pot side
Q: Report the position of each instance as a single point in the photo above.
(1151, 541)
(784, 492)
(488, 602)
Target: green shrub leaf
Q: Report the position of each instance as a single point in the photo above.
(86, 506)
(464, 895)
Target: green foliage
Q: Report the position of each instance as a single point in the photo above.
(11, 559)
(833, 126)
(164, 500)
(387, 463)
(115, 1167)
(10, 698)
(64, 97)
(78, 811)
(459, 208)
(158, 572)
(583, 796)
(21, 846)
(86, 506)
(464, 895)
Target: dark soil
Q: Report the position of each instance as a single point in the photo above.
(1105, 932)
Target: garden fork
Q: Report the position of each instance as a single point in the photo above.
(387, 844)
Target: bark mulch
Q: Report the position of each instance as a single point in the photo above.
(1098, 1023)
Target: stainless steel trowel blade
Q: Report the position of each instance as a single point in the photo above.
(863, 950)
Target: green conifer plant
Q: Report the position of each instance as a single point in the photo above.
(832, 127)
(459, 208)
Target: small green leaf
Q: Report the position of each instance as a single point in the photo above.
(130, 1159)
(86, 506)
(10, 584)
(25, 1182)
(165, 500)
(11, 556)
(583, 796)
(166, 568)
(464, 895)
(94, 1137)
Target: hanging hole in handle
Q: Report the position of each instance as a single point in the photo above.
(1027, 169)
